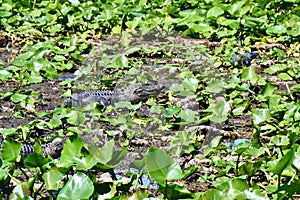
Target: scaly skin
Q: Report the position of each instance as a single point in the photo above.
(133, 93)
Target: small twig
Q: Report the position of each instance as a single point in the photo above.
(288, 89)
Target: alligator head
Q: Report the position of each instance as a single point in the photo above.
(139, 92)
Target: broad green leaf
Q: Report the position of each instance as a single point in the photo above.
(128, 105)
(36, 160)
(255, 151)
(161, 166)
(234, 184)
(213, 194)
(201, 28)
(236, 8)
(296, 161)
(283, 162)
(68, 66)
(285, 77)
(295, 87)
(117, 158)
(220, 111)
(189, 171)
(215, 139)
(174, 191)
(75, 117)
(187, 115)
(121, 62)
(256, 194)
(277, 68)
(71, 149)
(16, 98)
(38, 147)
(239, 109)
(156, 109)
(85, 162)
(22, 59)
(191, 84)
(234, 24)
(215, 12)
(21, 191)
(274, 102)
(33, 77)
(59, 58)
(260, 115)
(280, 140)
(268, 90)
(138, 164)
(242, 147)
(297, 114)
(79, 186)
(52, 178)
(7, 131)
(52, 5)
(51, 73)
(4, 75)
(280, 53)
(37, 65)
(10, 150)
(171, 111)
(249, 74)
(104, 154)
(215, 86)
(55, 122)
(275, 30)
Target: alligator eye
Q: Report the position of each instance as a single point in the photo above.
(139, 91)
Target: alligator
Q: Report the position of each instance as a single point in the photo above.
(133, 93)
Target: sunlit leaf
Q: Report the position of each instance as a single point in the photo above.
(275, 30)
(175, 191)
(21, 191)
(104, 154)
(215, 86)
(71, 149)
(283, 163)
(161, 166)
(4, 75)
(280, 140)
(36, 160)
(249, 74)
(79, 186)
(18, 97)
(52, 178)
(85, 163)
(215, 12)
(75, 117)
(191, 84)
(10, 150)
(268, 90)
(260, 115)
(187, 115)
